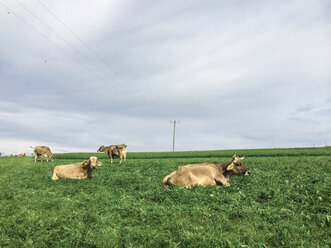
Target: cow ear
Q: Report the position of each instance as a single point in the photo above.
(230, 167)
(86, 163)
(234, 156)
(99, 163)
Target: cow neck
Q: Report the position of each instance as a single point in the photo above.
(225, 172)
(89, 172)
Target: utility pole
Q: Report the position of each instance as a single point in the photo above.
(173, 135)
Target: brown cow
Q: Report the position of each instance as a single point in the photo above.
(18, 155)
(43, 151)
(80, 170)
(206, 174)
(114, 150)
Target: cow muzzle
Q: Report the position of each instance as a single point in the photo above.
(94, 166)
(247, 173)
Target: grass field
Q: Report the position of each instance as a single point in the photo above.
(285, 202)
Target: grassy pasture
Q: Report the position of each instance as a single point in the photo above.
(276, 152)
(284, 203)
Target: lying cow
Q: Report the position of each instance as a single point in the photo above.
(80, 170)
(114, 151)
(206, 174)
(43, 151)
(18, 155)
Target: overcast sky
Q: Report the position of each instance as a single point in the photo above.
(76, 74)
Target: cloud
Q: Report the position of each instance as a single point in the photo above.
(237, 74)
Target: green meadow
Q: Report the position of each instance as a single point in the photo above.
(286, 202)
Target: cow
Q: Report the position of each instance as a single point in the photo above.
(0, 153)
(43, 151)
(206, 174)
(80, 170)
(114, 150)
(18, 155)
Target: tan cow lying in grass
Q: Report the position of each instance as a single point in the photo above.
(114, 150)
(22, 154)
(80, 170)
(206, 174)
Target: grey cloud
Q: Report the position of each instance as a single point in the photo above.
(238, 74)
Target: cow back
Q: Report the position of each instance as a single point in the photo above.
(206, 169)
(42, 150)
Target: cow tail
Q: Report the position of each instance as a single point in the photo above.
(167, 182)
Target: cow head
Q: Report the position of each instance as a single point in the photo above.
(52, 158)
(91, 163)
(101, 149)
(237, 166)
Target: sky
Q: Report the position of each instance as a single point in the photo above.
(78, 74)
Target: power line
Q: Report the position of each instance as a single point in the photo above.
(133, 90)
(44, 36)
(64, 51)
(68, 43)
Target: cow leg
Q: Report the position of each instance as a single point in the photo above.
(121, 159)
(35, 157)
(222, 181)
(192, 180)
(110, 156)
(206, 181)
(186, 179)
(47, 158)
(201, 180)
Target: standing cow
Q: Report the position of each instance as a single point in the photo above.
(114, 151)
(206, 174)
(43, 151)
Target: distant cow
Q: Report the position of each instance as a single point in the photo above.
(18, 155)
(114, 150)
(0, 153)
(206, 174)
(80, 170)
(43, 151)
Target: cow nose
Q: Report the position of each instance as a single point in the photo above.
(247, 173)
